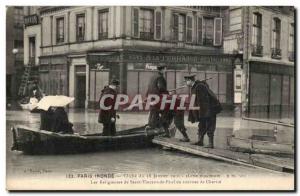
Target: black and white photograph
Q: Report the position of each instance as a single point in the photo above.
(150, 98)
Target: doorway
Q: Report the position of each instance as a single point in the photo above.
(80, 91)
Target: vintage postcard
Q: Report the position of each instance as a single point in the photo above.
(150, 98)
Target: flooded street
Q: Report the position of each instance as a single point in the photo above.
(150, 160)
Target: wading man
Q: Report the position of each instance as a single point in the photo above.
(157, 86)
(107, 113)
(209, 107)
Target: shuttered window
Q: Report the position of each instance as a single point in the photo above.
(158, 25)
(199, 31)
(175, 27)
(135, 22)
(218, 32)
(189, 30)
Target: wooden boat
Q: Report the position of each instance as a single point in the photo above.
(31, 141)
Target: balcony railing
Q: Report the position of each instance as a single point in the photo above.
(292, 56)
(31, 61)
(276, 53)
(147, 35)
(31, 20)
(257, 50)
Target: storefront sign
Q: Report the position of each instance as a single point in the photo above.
(140, 57)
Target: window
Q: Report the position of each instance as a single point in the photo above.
(31, 50)
(257, 48)
(235, 19)
(147, 24)
(208, 31)
(18, 43)
(103, 24)
(276, 33)
(217, 31)
(291, 42)
(199, 31)
(276, 51)
(80, 27)
(59, 30)
(135, 22)
(257, 30)
(158, 25)
(19, 16)
(189, 31)
(179, 27)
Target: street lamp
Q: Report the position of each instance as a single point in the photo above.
(15, 51)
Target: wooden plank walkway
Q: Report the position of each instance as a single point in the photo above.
(256, 146)
(246, 159)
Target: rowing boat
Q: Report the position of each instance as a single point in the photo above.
(34, 141)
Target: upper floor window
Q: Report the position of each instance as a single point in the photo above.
(199, 31)
(291, 42)
(257, 30)
(103, 24)
(80, 27)
(158, 27)
(208, 31)
(189, 31)
(59, 30)
(31, 50)
(276, 31)
(179, 27)
(18, 16)
(135, 22)
(146, 24)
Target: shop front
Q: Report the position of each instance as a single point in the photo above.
(134, 69)
(271, 90)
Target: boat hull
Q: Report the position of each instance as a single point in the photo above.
(31, 141)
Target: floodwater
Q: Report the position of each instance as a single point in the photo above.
(155, 160)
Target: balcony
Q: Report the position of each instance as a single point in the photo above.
(292, 56)
(257, 50)
(276, 53)
(147, 35)
(31, 20)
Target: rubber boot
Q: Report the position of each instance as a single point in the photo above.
(210, 142)
(185, 136)
(200, 140)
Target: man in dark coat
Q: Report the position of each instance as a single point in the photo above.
(108, 116)
(61, 121)
(158, 86)
(209, 107)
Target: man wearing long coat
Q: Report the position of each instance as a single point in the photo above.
(209, 107)
(108, 116)
(157, 86)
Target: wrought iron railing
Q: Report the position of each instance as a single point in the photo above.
(257, 50)
(276, 53)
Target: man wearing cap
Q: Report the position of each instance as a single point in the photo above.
(108, 116)
(157, 86)
(208, 105)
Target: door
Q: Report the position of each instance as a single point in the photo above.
(80, 91)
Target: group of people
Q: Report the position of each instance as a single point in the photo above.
(205, 116)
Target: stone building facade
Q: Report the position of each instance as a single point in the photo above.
(264, 36)
(83, 48)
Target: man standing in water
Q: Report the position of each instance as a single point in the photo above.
(209, 107)
(107, 113)
(157, 86)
